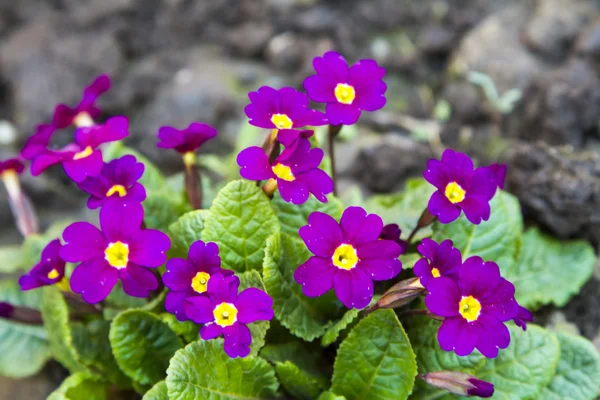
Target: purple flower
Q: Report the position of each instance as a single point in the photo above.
(121, 250)
(523, 317)
(460, 187)
(50, 269)
(499, 171)
(227, 313)
(83, 158)
(38, 142)
(475, 308)
(186, 140)
(346, 90)
(285, 108)
(459, 383)
(118, 180)
(349, 256)
(189, 278)
(297, 174)
(84, 113)
(290, 139)
(12, 165)
(440, 260)
(394, 233)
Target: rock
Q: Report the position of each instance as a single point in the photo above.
(588, 43)
(250, 39)
(555, 25)
(384, 167)
(510, 65)
(45, 63)
(584, 310)
(559, 188)
(436, 39)
(562, 106)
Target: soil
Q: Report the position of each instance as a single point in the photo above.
(182, 60)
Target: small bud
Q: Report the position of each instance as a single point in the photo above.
(270, 187)
(6, 310)
(401, 294)
(459, 383)
(392, 232)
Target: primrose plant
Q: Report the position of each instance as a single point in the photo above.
(276, 288)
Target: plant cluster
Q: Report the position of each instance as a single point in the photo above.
(276, 288)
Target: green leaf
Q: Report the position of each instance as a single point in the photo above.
(118, 301)
(55, 313)
(187, 330)
(12, 259)
(93, 348)
(498, 239)
(306, 356)
(578, 374)
(161, 209)
(330, 396)
(376, 360)
(527, 366)
(80, 386)
(292, 216)
(185, 231)
(305, 317)
(430, 356)
(32, 249)
(333, 331)
(158, 392)
(298, 383)
(152, 178)
(257, 329)
(404, 208)
(550, 271)
(24, 349)
(240, 221)
(143, 345)
(202, 370)
(409, 260)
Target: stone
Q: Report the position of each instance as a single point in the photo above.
(555, 24)
(558, 187)
(249, 39)
(588, 43)
(561, 106)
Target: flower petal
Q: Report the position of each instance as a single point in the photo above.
(138, 281)
(254, 164)
(199, 309)
(82, 241)
(354, 288)
(237, 340)
(476, 209)
(478, 278)
(149, 247)
(80, 169)
(442, 208)
(179, 274)
(94, 280)
(315, 276)
(443, 297)
(175, 303)
(494, 335)
(295, 192)
(346, 114)
(223, 289)
(322, 235)
(210, 331)
(358, 227)
(254, 305)
(121, 221)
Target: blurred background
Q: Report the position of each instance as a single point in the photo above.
(511, 80)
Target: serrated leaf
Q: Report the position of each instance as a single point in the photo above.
(55, 313)
(93, 348)
(306, 356)
(118, 301)
(292, 216)
(24, 349)
(80, 386)
(578, 374)
(333, 331)
(409, 260)
(527, 366)
(143, 345)
(258, 329)
(498, 239)
(158, 392)
(187, 330)
(330, 396)
(550, 271)
(240, 221)
(202, 370)
(307, 318)
(403, 208)
(161, 209)
(430, 356)
(152, 178)
(185, 231)
(12, 259)
(297, 383)
(376, 360)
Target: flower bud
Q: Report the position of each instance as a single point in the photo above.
(459, 383)
(401, 294)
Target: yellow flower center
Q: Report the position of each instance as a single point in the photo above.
(282, 121)
(225, 314)
(200, 282)
(120, 189)
(283, 172)
(117, 254)
(83, 119)
(63, 284)
(84, 153)
(53, 274)
(435, 272)
(345, 93)
(345, 257)
(470, 308)
(189, 159)
(455, 193)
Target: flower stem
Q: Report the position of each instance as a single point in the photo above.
(271, 146)
(192, 180)
(270, 187)
(20, 205)
(425, 220)
(80, 305)
(24, 315)
(334, 130)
